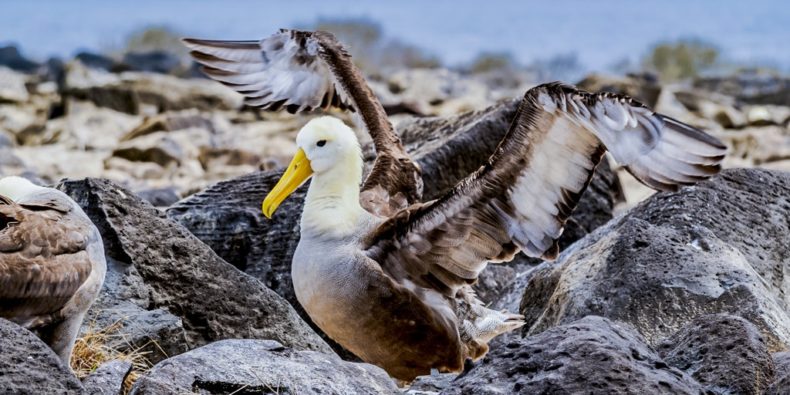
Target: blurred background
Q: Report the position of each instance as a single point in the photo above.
(105, 88)
(559, 38)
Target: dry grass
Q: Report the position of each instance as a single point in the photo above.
(130, 379)
(93, 349)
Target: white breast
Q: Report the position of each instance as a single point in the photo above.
(321, 270)
(329, 273)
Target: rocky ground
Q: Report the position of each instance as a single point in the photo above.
(681, 292)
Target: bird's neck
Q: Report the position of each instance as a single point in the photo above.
(332, 204)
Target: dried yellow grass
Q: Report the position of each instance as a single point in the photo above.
(92, 349)
(129, 381)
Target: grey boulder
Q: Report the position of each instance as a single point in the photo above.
(108, 378)
(29, 366)
(261, 367)
(591, 356)
(717, 247)
(159, 197)
(12, 86)
(724, 353)
(781, 384)
(750, 87)
(139, 92)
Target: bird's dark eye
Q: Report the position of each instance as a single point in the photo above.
(321, 143)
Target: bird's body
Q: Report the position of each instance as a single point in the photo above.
(352, 300)
(388, 276)
(52, 263)
(405, 328)
(350, 297)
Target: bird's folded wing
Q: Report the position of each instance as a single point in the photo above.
(302, 71)
(43, 260)
(522, 197)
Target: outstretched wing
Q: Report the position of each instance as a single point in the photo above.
(522, 197)
(281, 71)
(302, 71)
(43, 257)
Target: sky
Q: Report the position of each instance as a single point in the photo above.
(600, 33)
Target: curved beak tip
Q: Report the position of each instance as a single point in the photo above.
(267, 210)
(297, 172)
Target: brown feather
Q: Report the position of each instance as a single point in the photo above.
(522, 198)
(43, 258)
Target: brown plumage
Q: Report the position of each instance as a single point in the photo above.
(392, 284)
(528, 189)
(51, 262)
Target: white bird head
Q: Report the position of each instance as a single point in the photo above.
(326, 142)
(328, 150)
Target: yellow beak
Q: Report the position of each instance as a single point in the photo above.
(296, 174)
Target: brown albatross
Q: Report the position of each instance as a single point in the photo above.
(388, 276)
(51, 262)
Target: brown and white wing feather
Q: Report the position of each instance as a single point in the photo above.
(284, 70)
(43, 258)
(521, 198)
(301, 71)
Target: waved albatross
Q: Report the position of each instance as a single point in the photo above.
(51, 262)
(388, 276)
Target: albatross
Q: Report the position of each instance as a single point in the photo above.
(51, 262)
(387, 275)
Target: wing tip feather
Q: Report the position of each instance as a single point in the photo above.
(692, 132)
(239, 44)
(552, 252)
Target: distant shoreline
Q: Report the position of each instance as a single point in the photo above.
(599, 34)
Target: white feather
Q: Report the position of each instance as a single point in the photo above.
(16, 188)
